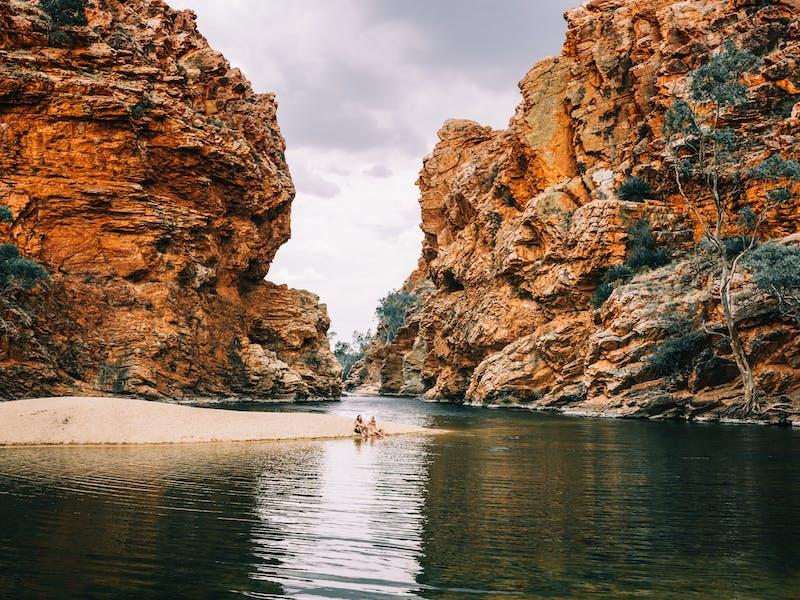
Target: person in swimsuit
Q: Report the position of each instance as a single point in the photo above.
(373, 428)
(360, 427)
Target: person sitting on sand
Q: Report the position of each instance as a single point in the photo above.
(360, 427)
(372, 428)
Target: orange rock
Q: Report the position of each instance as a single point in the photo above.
(520, 225)
(148, 177)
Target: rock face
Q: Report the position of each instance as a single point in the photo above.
(148, 177)
(521, 224)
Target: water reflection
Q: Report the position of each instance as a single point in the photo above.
(575, 509)
(509, 504)
(351, 523)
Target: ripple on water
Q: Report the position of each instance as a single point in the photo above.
(510, 504)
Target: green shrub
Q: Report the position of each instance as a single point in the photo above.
(735, 245)
(612, 275)
(636, 189)
(6, 216)
(601, 294)
(642, 249)
(59, 39)
(8, 252)
(21, 271)
(776, 267)
(66, 12)
(15, 269)
(392, 310)
(676, 354)
(618, 273)
(640, 257)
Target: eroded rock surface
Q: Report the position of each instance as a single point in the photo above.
(148, 177)
(521, 224)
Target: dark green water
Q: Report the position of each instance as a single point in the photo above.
(509, 504)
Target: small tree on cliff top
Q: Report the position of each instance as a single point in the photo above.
(705, 155)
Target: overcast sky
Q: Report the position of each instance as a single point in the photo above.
(362, 88)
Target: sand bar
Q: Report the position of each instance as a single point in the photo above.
(74, 420)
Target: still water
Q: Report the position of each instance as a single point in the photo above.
(509, 504)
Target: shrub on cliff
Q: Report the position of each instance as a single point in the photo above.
(676, 354)
(601, 294)
(776, 269)
(66, 12)
(6, 216)
(642, 249)
(614, 274)
(392, 311)
(642, 253)
(16, 270)
(635, 189)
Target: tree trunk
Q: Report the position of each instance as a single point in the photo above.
(750, 403)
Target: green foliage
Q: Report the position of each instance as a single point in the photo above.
(601, 294)
(17, 270)
(776, 267)
(642, 249)
(680, 119)
(735, 245)
(635, 189)
(719, 80)
(776, 168)
(8, 252)
(639, 258)
(642, 253)
(676, 354)
(348, 354)
(618, 273)
(747, 218)
(66, 12)
(614, 274)
(6, 216)
(392, 310)
(59, 39)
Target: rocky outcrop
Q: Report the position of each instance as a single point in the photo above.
(521, 224)
(148, 177)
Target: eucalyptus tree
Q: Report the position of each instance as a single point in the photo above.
(707, 160)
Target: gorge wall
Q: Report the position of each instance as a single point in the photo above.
(148, 177)
(521, 224)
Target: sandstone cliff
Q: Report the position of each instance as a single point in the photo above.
(520, 225)
(148, 177)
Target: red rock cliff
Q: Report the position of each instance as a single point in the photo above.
(148, 177)
(520, 224)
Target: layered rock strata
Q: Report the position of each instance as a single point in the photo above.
(148, 177)
(521, 224)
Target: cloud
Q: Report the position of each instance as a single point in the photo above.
(379, 171)
(363, 86)
(310, 183)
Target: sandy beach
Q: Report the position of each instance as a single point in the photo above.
(75, 420)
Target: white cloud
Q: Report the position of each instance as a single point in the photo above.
(379, 171)
(363, 86)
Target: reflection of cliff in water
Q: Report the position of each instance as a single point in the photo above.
(157, 521)
(575, 507)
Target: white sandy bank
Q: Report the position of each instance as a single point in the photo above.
(72, 420)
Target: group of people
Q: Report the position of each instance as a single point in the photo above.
(367, 429)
